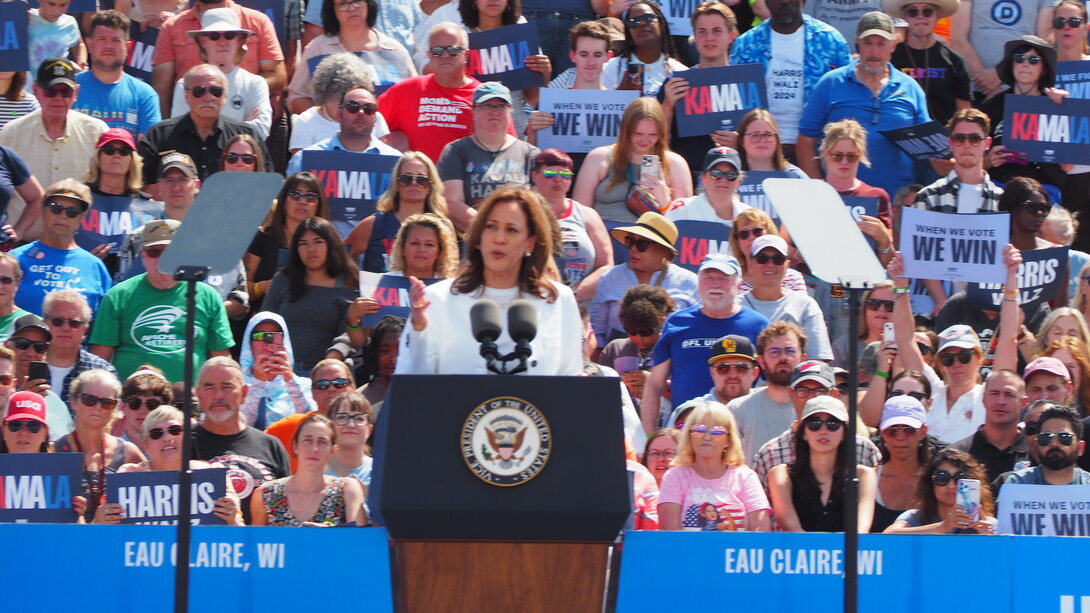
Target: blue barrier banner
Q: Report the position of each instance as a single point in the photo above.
(696, 239)
(152, 497)
(500, 55)
(1074, 78)
(14, 50)
(353, 182)
(719, 97)
(1045, 131)
(38, 487)
(232, 569)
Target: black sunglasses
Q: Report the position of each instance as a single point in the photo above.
(225, 35)
(739, 367)
(450, 50)
(917, 395)
(63, 90)
(973, 139)
(33, 426)
(641, 244)
(877, 303)
(91, 400)
(111, 150)
(942, 477)
(233, 158)
(22, 344)
(777, 259)
(648, 18)
(1066, 439)
(407, 180)
(1074, 22)
(306, 196)
(813, 424)
(641, 331)
(744, 234)
(59, 322)
(135, 403)
(339, 383)
(1037, 208)
(924, 349)
(947, 359)
(353, 107)
(1021, 58)
(915, 12)
(157, 433)
(199, 91)
(729, 175)
(57, 208)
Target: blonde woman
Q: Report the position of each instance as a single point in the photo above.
(747, 226)
(415, 187)
(709, 487)
(425, 248)
(611, 177)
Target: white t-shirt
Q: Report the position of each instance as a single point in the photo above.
(970, 197)
(783, 79)
(654, 74)
(57, 375)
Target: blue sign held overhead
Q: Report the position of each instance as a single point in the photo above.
(500, 55)
(719, 97)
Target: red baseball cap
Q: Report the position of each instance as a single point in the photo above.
(120, 135)
(26, 405)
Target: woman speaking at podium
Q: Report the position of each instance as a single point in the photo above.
(508, 247)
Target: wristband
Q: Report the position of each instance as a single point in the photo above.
(1013, 292)
(355, 327)
(257, 290)
(881, 373)
(888, 248)
(902, 291)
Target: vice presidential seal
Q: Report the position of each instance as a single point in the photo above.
(506, 441)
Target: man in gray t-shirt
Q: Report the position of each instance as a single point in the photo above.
(979, 29)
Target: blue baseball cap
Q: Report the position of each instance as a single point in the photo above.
(722, 262)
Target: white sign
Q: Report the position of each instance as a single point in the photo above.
(1044, 510)
(585, 118)
(953, 247)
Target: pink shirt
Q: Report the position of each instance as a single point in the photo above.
(732, 497)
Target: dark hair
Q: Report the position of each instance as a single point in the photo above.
(915, 375)
(664, 28)
(148, 380)
(552, 157)
(310, 419)
(1005, 68)
(259, 163)
(388, 324)
(472, 17)
(15, 90)
(1017, 191)
(279, 222)
(1065, 413)
(646, 306)
(802, 475)
(112, 19)
(670, 432)
(337, 263)
(926, 502)
(330, 24)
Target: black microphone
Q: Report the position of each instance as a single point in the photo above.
(522, 326)
(484, 319)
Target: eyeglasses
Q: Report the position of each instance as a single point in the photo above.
(563, 173)
(233, 158)
(168, 181)
(924, 349)
(57, 208)
(777, 352)
(1074, 22)
(33, 426)
(760, 137)
(343, 419)
(917, 395)
(267, 337)
(339, 383)
(641, 331)
(349, 5)
(900, 431)
(1021, 58)
(226, 35)
(22, 344)
(135, 403)
(763, 258)
(647, 19)
(199, 91)
(62, 90)
(305, 196)
(155, 252)
(813, 424)
(810, 392)
(941, 477)
(6, 379)
(840, 157)
(353, 107)
(961, 138)
(493, 108)
(947, 359)
(157, 433)
(744, 234)
(1037, 208)
(738, 367)
(668, 454)
(60, 322)
(915, 12)
(1066, 439)
(876, 303)
(407, 180)
(718, 175)
(701, 430)
(6, 280)
(106, 403)
(110, 150)
(450, 50)
(641, 244)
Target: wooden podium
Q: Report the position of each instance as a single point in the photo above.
(501, 493)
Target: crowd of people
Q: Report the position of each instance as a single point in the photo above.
(733, 374)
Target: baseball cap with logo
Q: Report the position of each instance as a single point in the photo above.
(732, 346)
(716, 155)
(26, 405)
(960, 336)
(159, 232)
(490, 90)
(56, 71)
(1046, 364)
(181, 161)
(813, 370)
(875, 23)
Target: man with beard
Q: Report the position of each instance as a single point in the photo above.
(874, 93)
(682, 348)
(357, 116)
(999, 444)
(1059, 445)
(733, 368)
(251, 456)
(106, 92)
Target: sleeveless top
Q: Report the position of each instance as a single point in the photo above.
(883, 515)
(278, 513)
(578, 259)
(612, 202)
(383, 233)
(92, 482)
(814, 516)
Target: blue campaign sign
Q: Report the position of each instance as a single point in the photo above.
(112, 217)
(231, 569)
(696, 239)
(38, 487)
(500, 55)
(14, 51)
(141, 50)
(858, 205)
(1074, 78)
(752, 192)
(1040, 276)
(274, 10)
(719, 97)
(353, 182)
(152, 497)
(585, 118)
(921, 142)
(1046, 131)
(391, 292)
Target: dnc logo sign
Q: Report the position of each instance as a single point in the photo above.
(1007, 12)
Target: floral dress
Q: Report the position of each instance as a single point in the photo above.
(330, 509)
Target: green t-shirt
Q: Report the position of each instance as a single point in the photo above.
(147, 326)
(7, 321)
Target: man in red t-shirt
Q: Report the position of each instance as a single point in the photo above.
(176, 52)
(427, 112)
